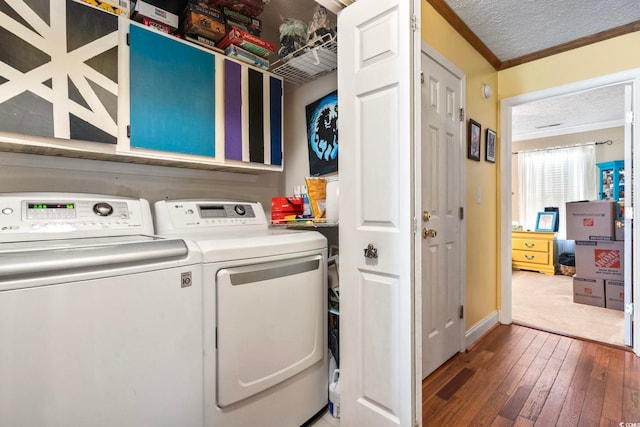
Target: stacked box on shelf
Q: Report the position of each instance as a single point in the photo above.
(235, 52)
(235, 19)
(248, 42)
(153, 13)
(599, 257)
(203, 22)
(250, 8)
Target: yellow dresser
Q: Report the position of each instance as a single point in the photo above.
(534, 250)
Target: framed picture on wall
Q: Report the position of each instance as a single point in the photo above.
(490, 151)
(322, 135)
(473, 143)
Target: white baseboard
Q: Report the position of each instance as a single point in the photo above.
(481, 328)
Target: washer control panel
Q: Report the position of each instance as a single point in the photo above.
(69, 215)
(175, 215)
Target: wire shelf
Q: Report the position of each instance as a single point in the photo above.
(309, 62)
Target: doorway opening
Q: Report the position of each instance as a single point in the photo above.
(521, 288)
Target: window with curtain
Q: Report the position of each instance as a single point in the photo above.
(552, 178)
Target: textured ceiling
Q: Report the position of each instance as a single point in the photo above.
(589, 110)
(514, 28)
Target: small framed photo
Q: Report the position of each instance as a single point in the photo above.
(546, 221)
(490, 151)
(473, 144)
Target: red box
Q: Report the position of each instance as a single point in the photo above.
(248, 42)
(251, 8)
(157, 25)
(282, 207)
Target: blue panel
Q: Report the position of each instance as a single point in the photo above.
(172, 95)
(275, 114)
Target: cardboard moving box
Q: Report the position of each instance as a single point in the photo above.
(588, 291)
(604, 260)
(591, 220)
(614, 294)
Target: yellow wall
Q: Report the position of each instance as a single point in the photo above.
(482, 219)
(598, 59)
(606, 57)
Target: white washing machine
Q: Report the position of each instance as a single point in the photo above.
(100, 321)
(265, 312)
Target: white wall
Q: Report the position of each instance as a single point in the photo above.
(296, 155)
(604, 152)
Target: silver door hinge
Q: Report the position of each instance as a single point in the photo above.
(462, 114)
(462, 311)
(630, 117)
(628, 309)
(415, 225)
(461, 213)
(422, 77)
(414, 23)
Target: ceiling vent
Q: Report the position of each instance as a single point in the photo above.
(335, 5)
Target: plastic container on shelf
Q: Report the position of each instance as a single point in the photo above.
(334, 393)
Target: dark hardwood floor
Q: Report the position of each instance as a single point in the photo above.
(517, 376)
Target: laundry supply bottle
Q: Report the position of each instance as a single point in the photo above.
(334, 393)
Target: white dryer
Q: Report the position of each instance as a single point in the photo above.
(265, 312)
(100, 321)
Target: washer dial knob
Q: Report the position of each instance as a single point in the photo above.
(240, 210)
(103, 209)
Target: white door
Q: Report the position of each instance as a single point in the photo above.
(629, 181)
(377, 85)
(442, 153)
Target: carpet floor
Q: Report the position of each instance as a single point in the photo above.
(546, 302)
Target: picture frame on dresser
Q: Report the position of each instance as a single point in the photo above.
(546, 221)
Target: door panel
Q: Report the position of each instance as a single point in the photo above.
(376, 80)
(442, 153)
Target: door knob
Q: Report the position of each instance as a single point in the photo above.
(426, 216)
(428, 233)
(370, 251)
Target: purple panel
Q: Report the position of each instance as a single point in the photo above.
(232, 110)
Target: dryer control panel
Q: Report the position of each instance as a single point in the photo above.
(211, 215)
(28, 216)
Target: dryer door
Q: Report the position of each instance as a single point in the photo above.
(270, 324)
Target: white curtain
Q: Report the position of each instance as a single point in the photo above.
(552, 178)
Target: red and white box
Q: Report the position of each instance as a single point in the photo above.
(591, 220)
(588, 291)
(248, 42)
(603, 260)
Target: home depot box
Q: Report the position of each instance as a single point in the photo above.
(143, 8)
(591, 220)
(283, 208)
(614, 294)
(603, 260)
(588, 291)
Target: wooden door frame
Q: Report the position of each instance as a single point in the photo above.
(506, 106)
